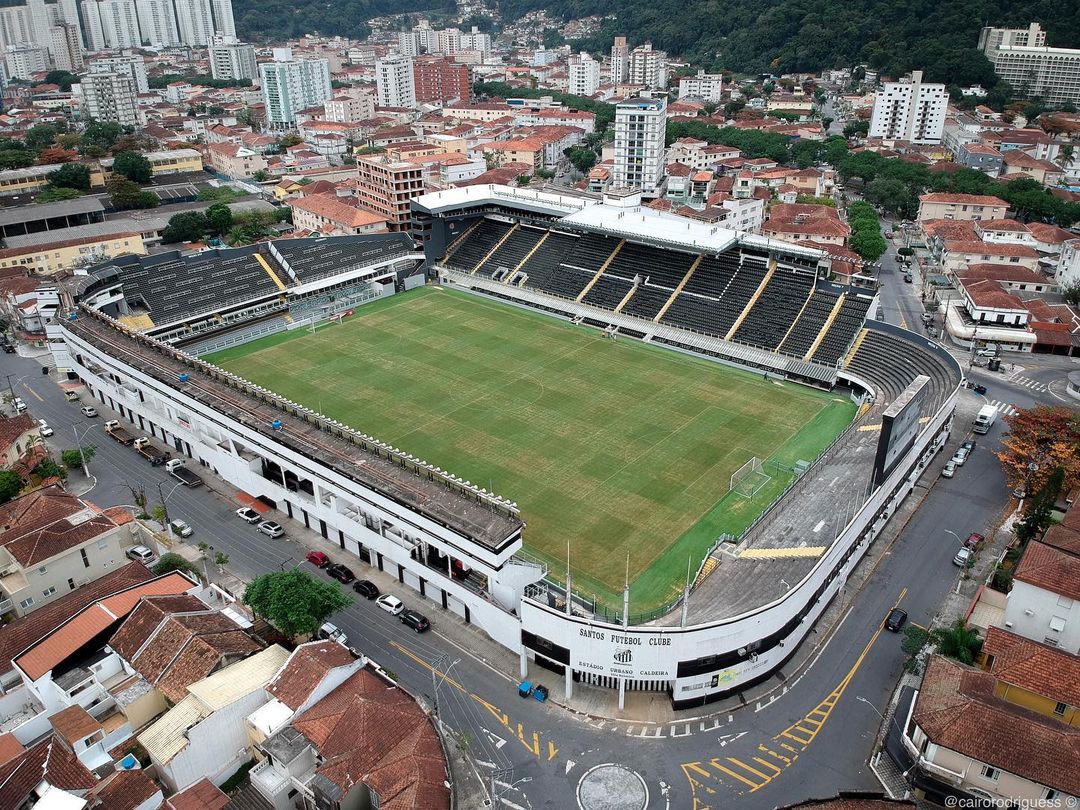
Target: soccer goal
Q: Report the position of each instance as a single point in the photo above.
(749, 479)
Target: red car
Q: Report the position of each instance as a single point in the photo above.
(317, 558)
(974, 541)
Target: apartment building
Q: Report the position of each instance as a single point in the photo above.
(195, 21)
(1022, 58)
(111, 24)
(648, 67)
(970, 207)
(640, 126)
(125, 64)
(109, 97)
(620, 61)
(157, 23)
(584, 75)
(395, 81)
(233, 60)
(65, 45)
(235, 160)
(290, 85)
(386, 187)
(1044, 604)
(23, 61)
(910, 110)
(439, 80)
(706, 86)
(356, 106)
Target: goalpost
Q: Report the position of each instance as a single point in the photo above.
(749, 479)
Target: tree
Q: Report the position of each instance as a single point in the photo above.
(47, 468)
(101, 135)
(260, 176)
(914, 644)
(171, 561)
(1070, 291)
(134, 167)
(188, 226)
(958, 642)
(826, 122)
(10, 485)
(72, 458)
(221, 559)
(62, 78)
(40, 136)
(581, 158)
(50, 195)
(17, 158)
(125, 194)
(70, 175)
(1040, 440)
(1040, 507)
(219, 218)
(159, 513)
(294, 602)
(854, 128)
(870, 246)
(56, 154)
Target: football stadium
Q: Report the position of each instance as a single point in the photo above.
(532, 401)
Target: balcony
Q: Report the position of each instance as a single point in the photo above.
(269, 781)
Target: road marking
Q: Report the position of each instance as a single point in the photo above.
(753, 772)
(779, 553)
(1003, 408)
(34, 393)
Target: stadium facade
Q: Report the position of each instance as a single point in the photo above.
(134, 330)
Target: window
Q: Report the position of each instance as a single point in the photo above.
(102, 545)
(1050, 795)
(48, 591)
(1060, 708)
(990, 773)
(1050, 641)
(71, 584)
(27, 602)
(85, 559)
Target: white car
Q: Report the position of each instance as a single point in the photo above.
(88, 410)
(271, 529)
(44, 429)
(181, 528)
(961, 456)
(248, 514)
(949, 470)
(18, 404)
(962, 558)
(391, 604)
(140, 554)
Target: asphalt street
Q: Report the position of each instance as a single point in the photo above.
(811, 742)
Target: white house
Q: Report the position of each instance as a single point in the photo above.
(1044, 604)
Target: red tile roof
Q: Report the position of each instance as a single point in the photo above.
(1051, 569)
(989, 294)
(960, 230)
(203, 795)
(963, 199)
(337, 210)
(1002, 272)
(1001, 225)
(991, 249)
(957, 709)
(1050, 234)
(369, 732)
(73, 724)
(1024, 663)
(47, 522)
(43, 655)
(23, 632)
(125, 790)
(47, 761)
(852, 801)
(305, 669)
(11, 430)
(9, 748)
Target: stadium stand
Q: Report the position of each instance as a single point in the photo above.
(541, 265)
(843, 329)
(608, 291)
(307, 260)
(778, 305)
(646, 301)
(475, 245)
(512, 250)
(886, 360)
(805, 330)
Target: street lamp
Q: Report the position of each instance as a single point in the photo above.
(437, 677)
(954, 534)
(890, 718)
(82, 455)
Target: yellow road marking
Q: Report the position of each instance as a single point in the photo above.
(796, 733)
(35, 394)
(778, 553)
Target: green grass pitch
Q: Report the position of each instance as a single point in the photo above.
(615, 446)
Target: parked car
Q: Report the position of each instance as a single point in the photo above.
(248, 514)
(341, 573)
(88, 411)
(949, 470)
(961, 456)
(366, 588)
(271, 528)
(18, 405)
(44, 429)
(140, 554)
(181, 528)
(9, 348)
(390, 603)
(969, 445)
(974, 541)
(317, 558)
(908, 278)
(417, 621)
(895, 620)
(963, 557)
(71, 396)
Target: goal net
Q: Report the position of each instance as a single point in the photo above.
(748, 480)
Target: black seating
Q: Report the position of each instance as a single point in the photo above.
(809, 324)
(514, 248)
(842, 331)
(647, 301)
(477, 244)
(607, 292)
(775, 309)
(541, 265)
(713, 275)
(312, 259)
(663, 268)
(886, 361)
(591, 251)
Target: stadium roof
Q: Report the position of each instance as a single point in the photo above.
(546, 202)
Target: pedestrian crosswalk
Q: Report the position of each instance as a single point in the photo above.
(1004, 408)
(1027, 382)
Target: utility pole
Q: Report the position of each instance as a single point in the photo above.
(82, 455)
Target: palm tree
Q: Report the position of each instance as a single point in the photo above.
(958, 641)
